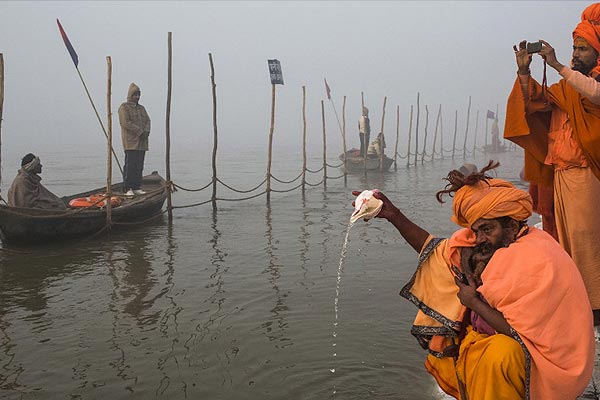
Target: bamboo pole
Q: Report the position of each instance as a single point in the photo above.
(435, 134)
(215, 132)
(425, 138)
(486, 133)
(271, 143)
(417, 130)
(409, 137)
(303, 138)
(364, 155)
(455, 127)
(476, 131)
(467, 129)
(441, 134)
(1, 108)
(168, 126)
(324, 146)
(397, 138)
(382, 141)
(109, 146)
(344, 139)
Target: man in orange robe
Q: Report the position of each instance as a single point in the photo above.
(530, 295)
(559, 128)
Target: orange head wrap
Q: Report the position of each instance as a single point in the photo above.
(493, 198)
(589, 29)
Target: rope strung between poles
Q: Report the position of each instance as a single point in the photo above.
(192, 190)
(284, 182)
(242, 191)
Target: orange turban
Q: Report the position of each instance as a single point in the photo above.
(493, 198)
(589, 29)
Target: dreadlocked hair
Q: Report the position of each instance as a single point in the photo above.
(457, 179)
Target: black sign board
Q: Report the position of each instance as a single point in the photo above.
(275, 72)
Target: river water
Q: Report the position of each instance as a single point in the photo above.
(232, 304)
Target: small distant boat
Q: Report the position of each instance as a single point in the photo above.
(34, 225)
(355, 163)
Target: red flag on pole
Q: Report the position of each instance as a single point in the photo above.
(68, 44)
(327, 89)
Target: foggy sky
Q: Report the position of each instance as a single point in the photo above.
(446, 51)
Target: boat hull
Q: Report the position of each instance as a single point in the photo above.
(29, 225)
(355, 164)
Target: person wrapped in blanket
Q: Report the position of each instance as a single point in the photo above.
(27, 190)
(518, 324)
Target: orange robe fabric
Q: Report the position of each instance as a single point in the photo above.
(576, 189)
(539, 290)
(527, 125)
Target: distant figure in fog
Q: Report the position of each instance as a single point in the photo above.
(27, 190)
(364, 130)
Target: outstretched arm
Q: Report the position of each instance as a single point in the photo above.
(411, 232)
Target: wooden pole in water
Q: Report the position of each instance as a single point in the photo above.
(397, 138)
(324, 146)
(455, 128)
(486, 134)
(437, 122)
(303, 138)
(215, 132)
(382, 141)
(362, 102)
(409, 137)
(1, 107)
(476, 131)
(425, 138)
(344, 139)
(467, 129)
(270, 143)
(168, 127)
(417, 130)
(441, 134)
(109, 140)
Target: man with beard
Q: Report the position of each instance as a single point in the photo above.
(559, 128)
(541, 343)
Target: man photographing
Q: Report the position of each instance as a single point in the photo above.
(559, 128)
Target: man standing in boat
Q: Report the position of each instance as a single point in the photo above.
(27, 190)
(364, 130)
(559, 128)
(135, 129)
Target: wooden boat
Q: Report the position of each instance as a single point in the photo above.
(355, 163)
(32, 225)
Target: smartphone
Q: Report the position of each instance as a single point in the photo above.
(460, 275)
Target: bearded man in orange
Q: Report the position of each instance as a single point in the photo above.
(559, 128)
(522, 328)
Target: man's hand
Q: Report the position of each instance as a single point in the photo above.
(523, 58)
(549, 55)
(467, 294)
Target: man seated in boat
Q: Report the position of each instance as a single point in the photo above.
(518, 325)
(27, 191)
(376, 147)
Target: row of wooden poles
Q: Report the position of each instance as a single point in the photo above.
(342, 126)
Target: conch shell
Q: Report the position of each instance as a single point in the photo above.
(366, 206)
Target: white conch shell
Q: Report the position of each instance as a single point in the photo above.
(366, 206)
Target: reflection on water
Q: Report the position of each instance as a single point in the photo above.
(228, 304)
(275, 326)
